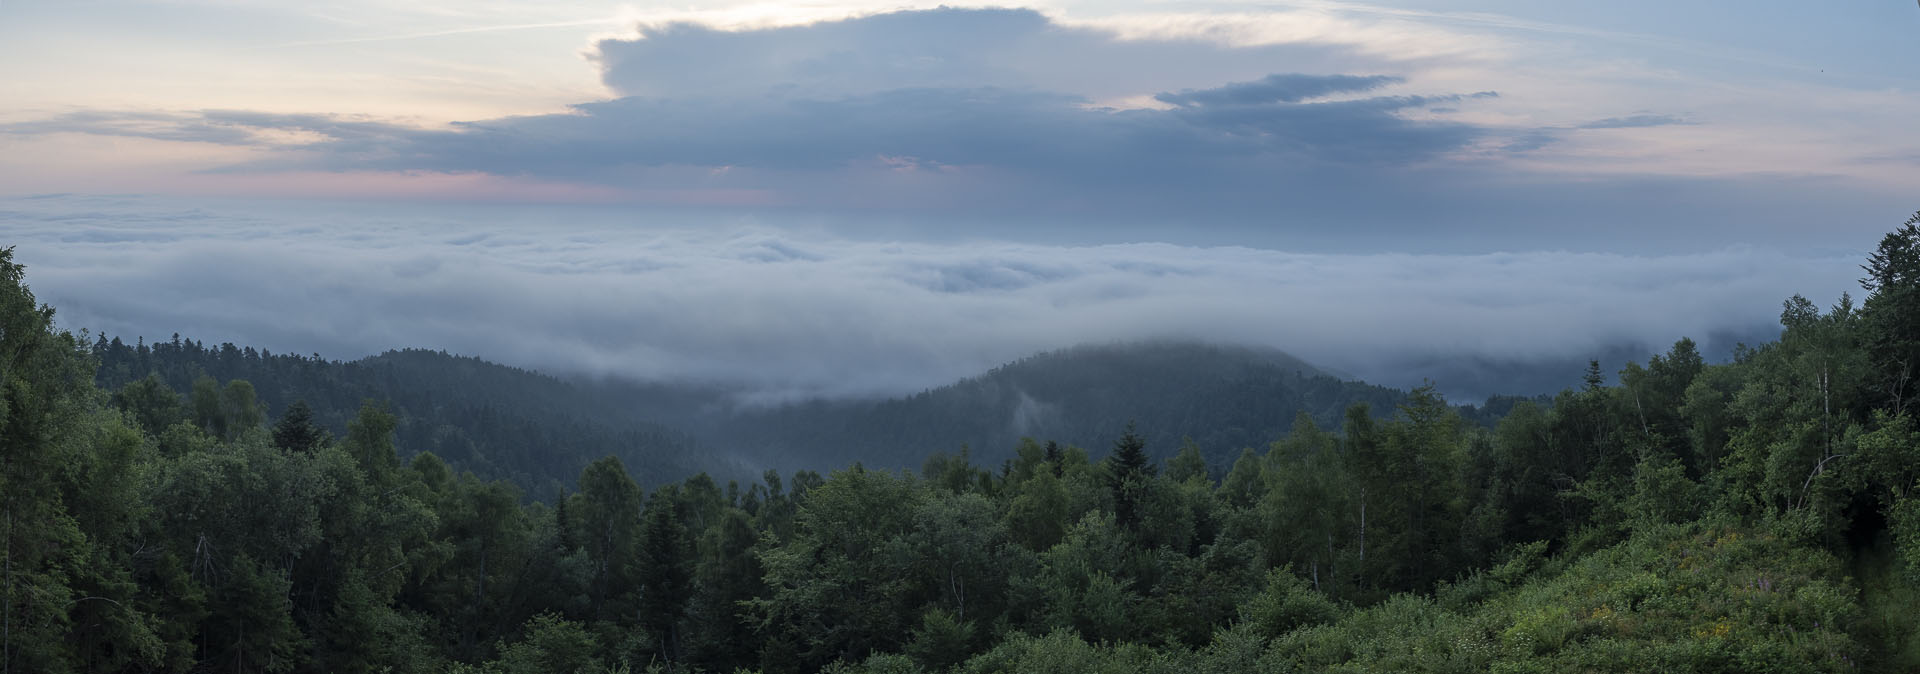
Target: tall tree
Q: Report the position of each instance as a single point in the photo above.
(1129, 474)
(153, 405)
(45, 402)
(296, 430)
(728, 574)
(1188, 464)
(1892, 313)
(606, 519)
(208, 413)
(665, 571)
(240, 407)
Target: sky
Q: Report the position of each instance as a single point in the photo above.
(848, 198)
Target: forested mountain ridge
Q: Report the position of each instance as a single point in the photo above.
(1758, 515)
(538, 430)
(1223, 398)
(497, 421)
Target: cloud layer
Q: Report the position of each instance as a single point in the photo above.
(1294, 129)
(789, 314)
(940, 112)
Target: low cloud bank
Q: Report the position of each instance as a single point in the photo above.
(787, 313)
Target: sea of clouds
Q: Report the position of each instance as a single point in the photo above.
(796, 311)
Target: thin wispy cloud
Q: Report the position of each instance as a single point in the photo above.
(1636, 122)
(606, 22)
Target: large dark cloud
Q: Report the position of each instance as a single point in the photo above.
(981, 111)
(950, 48)
(1016, 132)
(1003, 122)
(938, 48)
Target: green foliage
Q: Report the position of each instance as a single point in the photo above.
(153, 406)
(606, 524)
(1224, 398)
(1188, 464)
(1892, 316)
(296, 431)
(1129, 474)
(1905, 529)
(1063, 652)
(1758, 515)
(1673, 600)
(665, 570)
(552, 644)
(1662, 494)
(1287, 603)
(942, 640)
(844, 584)
(499, 422)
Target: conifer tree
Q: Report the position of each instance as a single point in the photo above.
(296, 431)
(1892, 313)
(665, 570)
(1128, 472)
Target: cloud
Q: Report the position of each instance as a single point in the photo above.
(976, 111)
(1635, 122)
(1269, 129)
(224, 127)
(1292, 88)
(953, 48)
(785, 313)
(179, 127)
(959, 150)
(1532, 140)
(938, 48)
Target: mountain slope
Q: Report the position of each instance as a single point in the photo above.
(540, 431)
(497, 421)
(1225, 398)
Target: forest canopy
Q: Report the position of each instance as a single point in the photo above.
(1753, 515)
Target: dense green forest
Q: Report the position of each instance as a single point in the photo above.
(1221, 398)
(539, 431)
(499, 422)
(1757, 515)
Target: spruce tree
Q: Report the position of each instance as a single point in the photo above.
(1128, 470)
(296, 431)
(1892, 313)
(665, 569)
(1594, 380)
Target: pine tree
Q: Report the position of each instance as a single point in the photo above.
(1892, 313)
(1128, 473)
(1129, 455)
(1594, 380)
(296, 431)
(666, 577)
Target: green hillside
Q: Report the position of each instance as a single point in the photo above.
(1753, 516)
(497, 421)
(1223, 398)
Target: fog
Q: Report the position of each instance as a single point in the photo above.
(797, 312)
